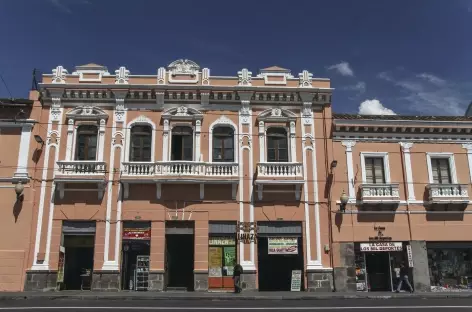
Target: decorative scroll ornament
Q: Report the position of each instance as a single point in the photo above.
(244, 77)
(59, 74)
(122, 75)
(184, 67)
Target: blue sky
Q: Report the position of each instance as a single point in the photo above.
(410, 56)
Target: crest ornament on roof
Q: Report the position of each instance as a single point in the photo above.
(183, 67)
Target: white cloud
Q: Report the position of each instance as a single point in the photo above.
(360, 87)
(342, 68)
(428, 94)
(374, 107)
(432, 78)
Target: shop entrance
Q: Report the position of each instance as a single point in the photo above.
(179, 258)
(378, 271)
(78, 246)
(135, 257)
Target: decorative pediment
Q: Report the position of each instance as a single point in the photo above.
(277, 115)
(87, 113)
(182, 113)
(183, 67)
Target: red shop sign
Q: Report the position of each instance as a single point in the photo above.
(142, 234)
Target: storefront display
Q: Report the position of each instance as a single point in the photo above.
(450, 268)
(221, 261)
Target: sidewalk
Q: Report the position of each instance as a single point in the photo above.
(248, 295)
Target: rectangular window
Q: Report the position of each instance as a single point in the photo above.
(223, 144)
(86, 143)
(374, 170)
(277, 145)
(441, 170)
(182, 143)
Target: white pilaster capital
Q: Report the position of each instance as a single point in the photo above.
(468, 147)
(348, 145)
(406, 146)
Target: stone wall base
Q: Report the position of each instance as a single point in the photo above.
(40, 280)
(106, 280)
(156, 281)
(345, 271)
(200, 281)
(248, 281)
(319, 281)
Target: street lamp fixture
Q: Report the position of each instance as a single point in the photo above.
(343, 199)
(19, 188)
(39, 139)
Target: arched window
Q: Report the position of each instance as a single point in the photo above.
(277, 145)
(86, 142)
(182, 143)
(141, 143)
(223, 144)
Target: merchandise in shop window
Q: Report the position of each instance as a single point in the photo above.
(450, 269)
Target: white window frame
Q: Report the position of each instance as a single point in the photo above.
(289, 143)
(383, 155)
(452, 165)
(75, 138)
(223, 122)
(140, 121)
(182, 124)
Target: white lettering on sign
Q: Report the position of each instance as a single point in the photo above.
(410, 256)
(381, 246)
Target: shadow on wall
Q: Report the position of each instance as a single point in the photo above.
(17, 208)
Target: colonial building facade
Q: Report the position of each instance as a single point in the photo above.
(166, 181)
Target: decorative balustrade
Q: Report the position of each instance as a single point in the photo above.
(179, 168)
(441, 193)
(81, 167)
(279, 169)
(139, 168)
(380, 193)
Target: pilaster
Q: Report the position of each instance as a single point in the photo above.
(350, 168)
(406, 146)
(468, 147)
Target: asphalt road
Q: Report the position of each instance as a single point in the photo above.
(370, 305)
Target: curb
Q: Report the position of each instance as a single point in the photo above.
(230, 297)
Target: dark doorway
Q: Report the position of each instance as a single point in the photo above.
(179, 261)
(182, 143)
(275, 271)
(378, 271)
(78, 264)
(131, 250)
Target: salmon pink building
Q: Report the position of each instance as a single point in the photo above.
(166, 181)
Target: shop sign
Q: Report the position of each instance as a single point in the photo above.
(410, 255)
(380, 234)
(139, 234)
(296, 284)
(60, 267)
(382, 246)
(246, 232)
(215, 255)
(222, 241)
(283, 246)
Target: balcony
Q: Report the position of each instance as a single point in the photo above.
(380, 193)
(279, 173)
(181, 172)
(447, 193)
(80, 175)
(80, 170)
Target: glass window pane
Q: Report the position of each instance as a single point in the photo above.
(229, 155)
(93, 140)
(217, 154)
(188, 153)
(228, 142)
(283, 155)
(217, 142)
(271, 154)
(187, 142)
(282, 142)
(92, 153)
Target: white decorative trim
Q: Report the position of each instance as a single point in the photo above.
(262, 138)
(23, 153)
(452, 165)
(183, 67)
(87, 113)
(350, 168)
(277, 115)
(101, 139)
(223, 121)
(305, 79)
(205, 77)
(267, 75)
(384, 157)
(245, 112)
(99, 70)
(140, 120)
(69, 141)
(293, 142)
(165, 141)
(182, 113)
(244, 77)
(406, 146)
(161, 74)
(121, 75)
(468, 147)
(197, 130)
(307, 113)
(59, 75)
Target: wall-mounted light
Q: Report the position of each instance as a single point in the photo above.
(19, 188)
(334, 163)
(343, 199)
(39, 139)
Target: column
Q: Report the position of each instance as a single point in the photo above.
(420, 271)
(350, 169)
(22, 167)
(468, 147)
(201, 255)
(406, 146)
(198, 127)
(261, 142)
(70, 133)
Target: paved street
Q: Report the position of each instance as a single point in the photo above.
(372, 305)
